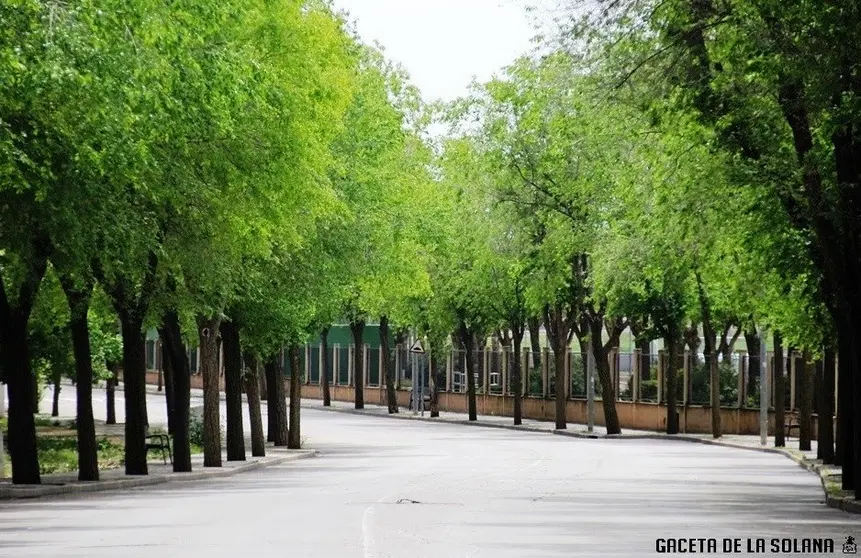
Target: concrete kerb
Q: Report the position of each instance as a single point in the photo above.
(27, 492)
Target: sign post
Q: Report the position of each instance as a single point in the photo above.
(415, 350)
(590, 389)
(763, 391)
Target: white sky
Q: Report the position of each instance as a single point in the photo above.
(443, 44)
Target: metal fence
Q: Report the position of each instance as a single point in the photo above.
(633, 376)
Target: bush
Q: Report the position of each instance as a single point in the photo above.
(648, 388)
(534, 382)
(195, 429)
(700, 391)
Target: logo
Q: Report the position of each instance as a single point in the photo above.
(849, 547)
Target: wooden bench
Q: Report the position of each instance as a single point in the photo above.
(790, 424)
(160, 442)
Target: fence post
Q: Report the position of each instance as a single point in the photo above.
(614, 371)
(350, 364)
(503, 369)
(448, 369)
(567, 373)
(366, 359)
(397, 365)
(526, 372)
(545, 372)
(636, 375)
(381, 381)
(661, 368)
(320, 369)
(336, 364)
(742, 374)
(485, 361)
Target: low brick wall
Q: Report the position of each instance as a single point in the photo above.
(196, 380)
(637, 416)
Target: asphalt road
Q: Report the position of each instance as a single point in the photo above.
(389, 488)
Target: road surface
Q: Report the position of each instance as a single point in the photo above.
(390, 488)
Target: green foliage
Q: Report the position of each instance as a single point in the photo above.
(700, 393)
(60, 455)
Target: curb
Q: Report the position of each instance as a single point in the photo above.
(29, 492)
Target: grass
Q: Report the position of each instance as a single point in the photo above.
(57, 445)
(59, 454)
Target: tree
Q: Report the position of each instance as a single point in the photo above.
(781, 110)
(380, 164)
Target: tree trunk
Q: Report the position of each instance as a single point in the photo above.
(779, 393)
(561, 401)
(608, 390)
(357, 327)
(252, 388)
(35, 397)
(388, 369)
(846, 445)
(111, 392)
(233, 391)
(673, 342)
(294, 435)
(751, 338)
(181, 380)
(805, 405)
(56, 379)
(558, 332)
(277, 402)
(727, 345)
(692, 338)
(208, 333)
(825, 407)
(534, 324)
(327, 368)
(714, 380)
(167, 367)
(271, 372)
(711, 360)
(79, 304)
(437, 371)
(20, 380)
(517, 377)
(134, 390)
(466, 339)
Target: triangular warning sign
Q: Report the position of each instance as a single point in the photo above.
(417, 347)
